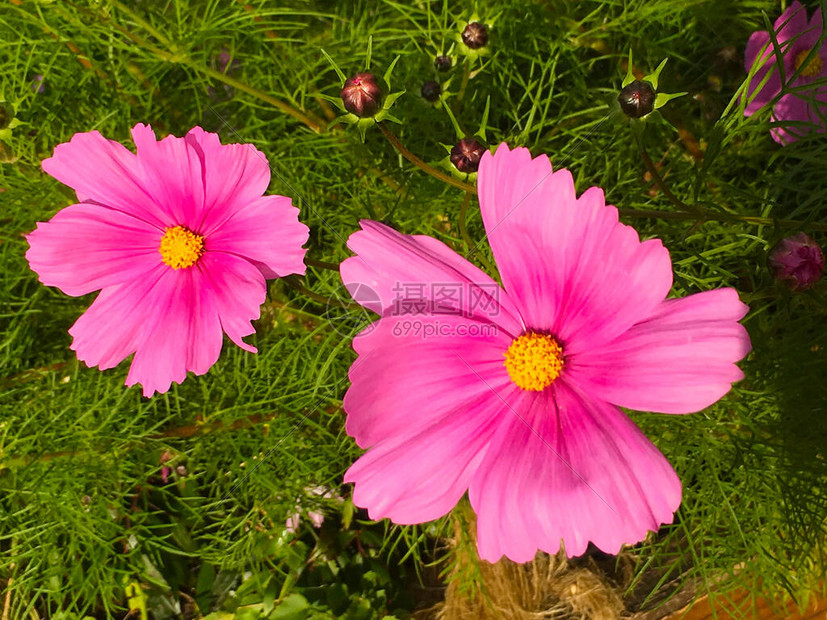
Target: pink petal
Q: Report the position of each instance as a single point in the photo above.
(797, 117)
(399, 270)
(104, 171)
(790, 23)
(420, 475)
(680, 360)
(173, 175)
(793, 35)
(563, 467)
(573, 268)
(109, 331)
(235, 175)
(409, 375)
(757, 42)
(265, 231)
(86, 247)
(810, 35)
(292, 523)
(182, 332)
(189, 309)
(238, 289)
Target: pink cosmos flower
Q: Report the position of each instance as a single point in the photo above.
(513, 393)
(796, 38)
(316, 517)
(179, 240)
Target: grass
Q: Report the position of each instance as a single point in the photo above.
(88, 526)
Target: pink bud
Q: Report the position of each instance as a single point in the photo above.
(361, 95)
(797, 261)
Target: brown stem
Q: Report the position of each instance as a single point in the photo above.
(466, 75)
(316, 125)
(174, 56)
(723, 217)
(293, 282)
(437, 174)
(321, 264)
(650, 166)
(463, 231)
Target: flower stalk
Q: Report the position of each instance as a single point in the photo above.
(416, 161)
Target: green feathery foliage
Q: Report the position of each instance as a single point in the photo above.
(89, 526)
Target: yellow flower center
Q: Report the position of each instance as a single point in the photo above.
(181, 248)
(813, 67)
(534, 361)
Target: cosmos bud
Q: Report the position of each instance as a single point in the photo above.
(466, 155)
(431, 90)
(475, 35)
(637, 99)
(442, 63)
(797, 261)
(361, 95)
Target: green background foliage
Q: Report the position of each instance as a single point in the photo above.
(88, 525)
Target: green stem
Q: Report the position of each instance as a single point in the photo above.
(470, 246)
(294, 283)
(650, 166)
(466, 75)
(175, 56)
(315, 125)
(437, 174)
(723, 217)
(321, 264)
(140, 21)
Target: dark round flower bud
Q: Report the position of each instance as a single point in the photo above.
(442, 63)
(466, 155)
(637, 99)
(475, 35)
(361, 95)
(797, 261)
(431, 90)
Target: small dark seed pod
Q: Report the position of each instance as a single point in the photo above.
(466, 155)
(442, 63)
(637, 99)
(431, 91)
(475, 35)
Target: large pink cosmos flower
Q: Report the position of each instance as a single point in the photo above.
(179, 240)
(512, 393)
(796, 39)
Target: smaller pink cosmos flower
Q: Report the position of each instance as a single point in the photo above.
(316, 516)
(797, 261)
(178, 238)
(796, 38)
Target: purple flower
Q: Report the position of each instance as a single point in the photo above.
(166, 470)
(796, 38)
(37, 84)
(797, 261)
